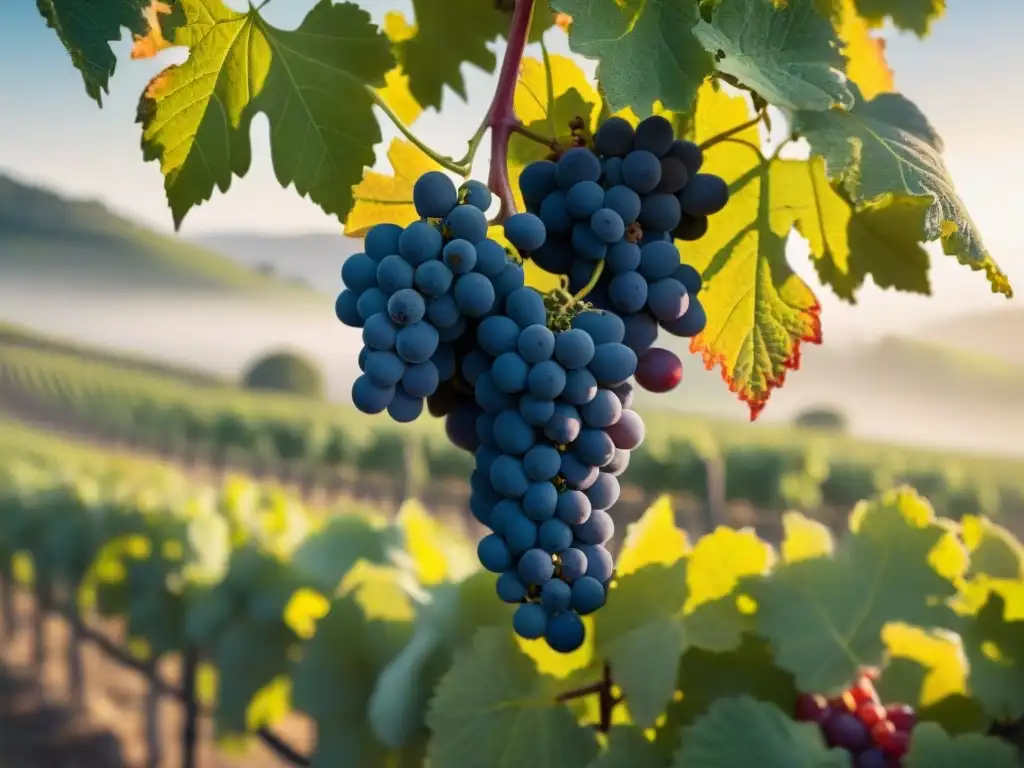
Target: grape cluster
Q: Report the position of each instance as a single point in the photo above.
(622, 204)
(856, 721)
(555, 431)
(415, 291)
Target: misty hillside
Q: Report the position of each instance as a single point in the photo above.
(52, 242)
(997, 333)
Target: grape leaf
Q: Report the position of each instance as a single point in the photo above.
(245, 667)
(880, 239)
(315, 84)
(758, 310)
(380, 198)
(705, 677)
(931, 748)
(149, 45)
(825, 616)
(995, 552)
(928, 670)
(628, 748)
(430, 58)
(995, 648)
(436, 553)
(491, 695)
(659, 611)
(646, 52)
(804, 538)
(885, 148)
(327, 555)
(865, 54)
(654, 538)
(743, 731)
(87, 35)
(913, 15)
(787, 53)
(396, 93)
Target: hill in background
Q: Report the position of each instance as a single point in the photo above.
(50, 242)
(998, 333)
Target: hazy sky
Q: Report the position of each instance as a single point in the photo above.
(965, 77)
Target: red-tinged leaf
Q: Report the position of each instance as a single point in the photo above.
(759, 311)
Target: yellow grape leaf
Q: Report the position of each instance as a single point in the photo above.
(865, 53)
(150, 44)
(881, 239)
(759, 311)
(379, 198)
(379, 591)
(913, 15)
(804, 538)
(995, 552)
(438, 553)
(270, 704)
(396, 93)
(939, 654)
(304, 609)
(720, 559)
(654, 538)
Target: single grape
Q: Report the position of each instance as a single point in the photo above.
(565, 632)
(641, 171)
(628, 292)
(608, 225)
(493, 553)
(902, 717)
(604, 493)
(603, 411)
(625, 202)
(546, 380)
(521, 534)
(421, 379)
(588, 595)
(602, 327)
(658, 259)
(530, 621)
(691, 228)
(404, 408)
(593, 447)
(555, 596)
(576, 165)
(359, 272)
(382, 240)
(689, 277)
(614, 138)
(611, 168)
(474, 193)
(564, 425)
(599, 562)
(474, 294)
(578, 475)
(488, 396)
(641, 332)
(380, 332)
(510, 373)
(673, 175)
(508, 477)
(596, 529)
(623, 257)
(536, 344)
(443, 312)
(466, 222)
(554, 213)
(870, 712)
(689, 153)
(845, 731)
(371, 398)
(433, 278)
(654, 134)
(512, 433)
(660, 211)
(586, 242)
(618, 464)
(420, 242)
(573, 564)
(554, 536)
(416, 342)
(691, 323)
(385, 369)
(574, 348)
(537, 181)
(811, 708)
(347, 309)
(406, 307)
(613, 364)
(394, 273)
(526, 307)
(491, 258)
(434, 195)
(536, 412)
(542, 462)
(525, 231)
(512, 278)
(580, 387)
(510, 589)
(555, 256)
(628, 432)
(498, 334)
(704, 194)
(875, 757)
(584, 199)
(573, 507)
(535, 566)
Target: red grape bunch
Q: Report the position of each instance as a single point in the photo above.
(877, 735)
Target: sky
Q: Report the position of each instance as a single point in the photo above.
(965, 77)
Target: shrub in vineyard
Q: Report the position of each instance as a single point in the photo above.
(645, 209)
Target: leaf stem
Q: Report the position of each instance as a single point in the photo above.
(594, 277)
(522, 130)
(460, 167)
(606, 701)
(719, 138)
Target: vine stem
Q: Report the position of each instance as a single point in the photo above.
(501, 115)
(606, 700)
(719, 138)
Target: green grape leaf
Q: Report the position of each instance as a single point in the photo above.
(398, 704)
(429, 58)
(928, 670)
(743, 731)
(885, 148)
(494, 708)
(315, 84)
(995, 648)
(326, 556)
(659, 611)
(932, 748)
(912, 15)
(87, 35)
(628, 748)
(245, 668)
(759, 311)
(335, 677)
(824, 616)
(705, 677)
(995, 552)
(646, 52)
(787, 53)
(880, 239)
